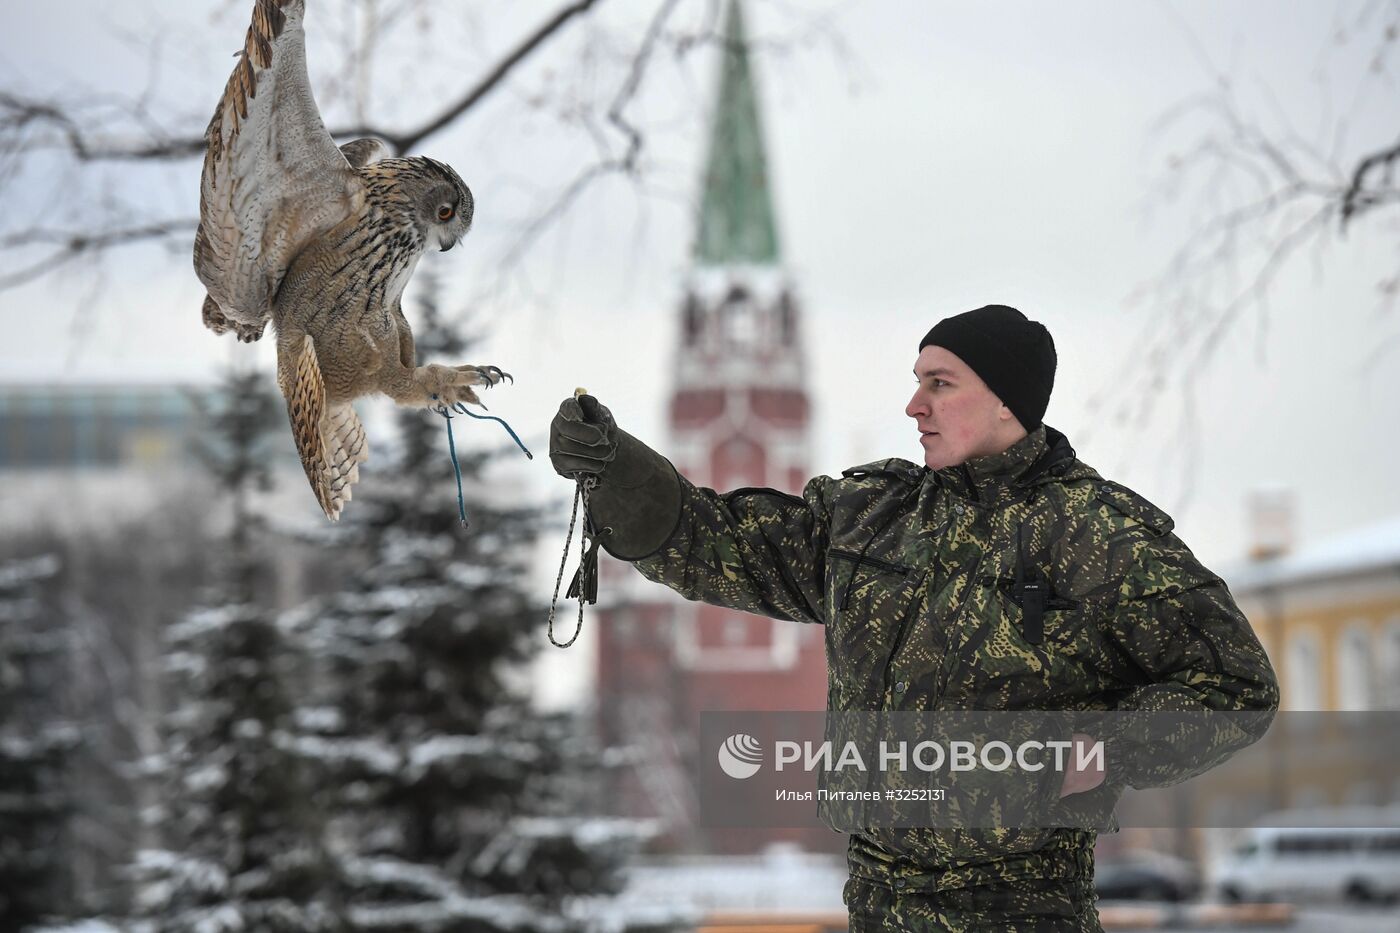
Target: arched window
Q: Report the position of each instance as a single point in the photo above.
(787, 318)
(1388, 665)
(740, 320)
(1353, 667)
(1302, 673)
(736, 631)
(694, 320)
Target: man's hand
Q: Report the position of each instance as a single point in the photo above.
(582, 437)
(636, 501)
(1079, 780)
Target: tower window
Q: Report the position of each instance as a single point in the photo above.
(740, 319)
(787, 319)
(693, 320)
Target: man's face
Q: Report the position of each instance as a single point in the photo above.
(958, 416)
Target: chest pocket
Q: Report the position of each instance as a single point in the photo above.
(860, 581)
(866, 596)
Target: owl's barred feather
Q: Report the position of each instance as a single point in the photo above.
(306, 406)
(344, 438)
(329, 437)
(266, 26)
(361, 152)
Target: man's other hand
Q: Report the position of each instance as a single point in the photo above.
(1078, 780)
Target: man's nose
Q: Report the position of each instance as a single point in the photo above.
(915, 407)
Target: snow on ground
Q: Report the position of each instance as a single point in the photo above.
(782, 879)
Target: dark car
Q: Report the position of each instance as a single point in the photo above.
(1145, 876)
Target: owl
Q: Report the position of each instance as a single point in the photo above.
(321, 241)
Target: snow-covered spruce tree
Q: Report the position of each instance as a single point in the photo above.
(34, 748)
(241, 841)
(459, 808)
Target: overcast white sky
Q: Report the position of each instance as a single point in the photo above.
(966, 154)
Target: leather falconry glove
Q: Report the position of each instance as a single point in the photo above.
(638, 494)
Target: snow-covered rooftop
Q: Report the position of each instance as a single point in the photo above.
(1371, 547)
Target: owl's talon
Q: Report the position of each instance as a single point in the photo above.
(486, 376)
(463, 395)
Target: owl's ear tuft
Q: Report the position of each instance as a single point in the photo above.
(466, 208)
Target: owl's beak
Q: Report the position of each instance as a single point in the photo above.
(446, 247)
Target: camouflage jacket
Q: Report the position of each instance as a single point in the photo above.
(914, 573)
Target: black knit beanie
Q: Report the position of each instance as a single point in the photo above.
(1014, 356)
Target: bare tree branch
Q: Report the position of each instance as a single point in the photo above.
(488, 83)
(18, 113)
(72, 245)
(625, 163)
(1356, 200)
(1263, 194)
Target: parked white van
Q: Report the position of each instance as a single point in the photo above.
(1279, 863)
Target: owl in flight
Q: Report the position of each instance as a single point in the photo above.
(320, 240)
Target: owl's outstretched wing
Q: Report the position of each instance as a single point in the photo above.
(329, 438)
(273, 178)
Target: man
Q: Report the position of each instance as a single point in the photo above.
(1003, 574)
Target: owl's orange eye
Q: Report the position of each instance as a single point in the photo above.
(445, 212)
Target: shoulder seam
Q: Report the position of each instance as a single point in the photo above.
(1134, 505)
(890, 466)
(762, 491)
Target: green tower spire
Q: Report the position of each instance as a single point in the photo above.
(736, 215)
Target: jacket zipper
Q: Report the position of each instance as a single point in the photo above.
(940, 685)
(872, 561)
